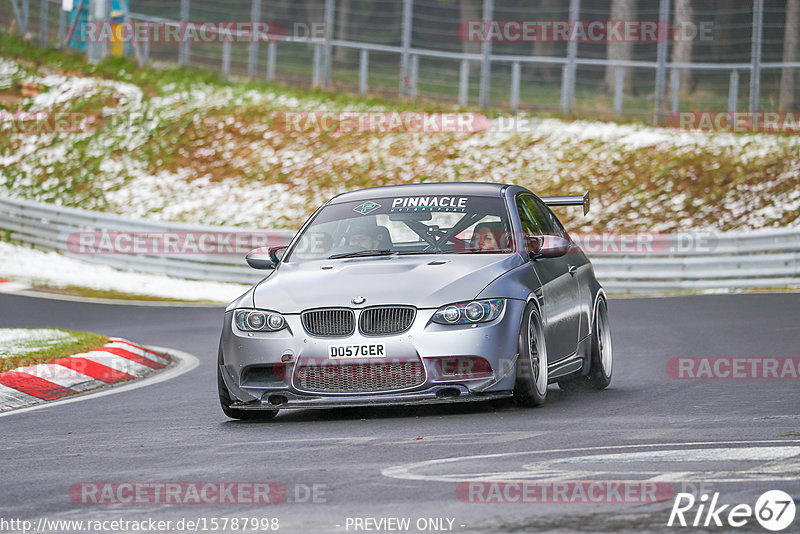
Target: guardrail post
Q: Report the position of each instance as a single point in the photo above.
(486, 52)
(661, 69)
(408, 13)
(463, 83)
(271, 52)
(568, 74)
(619, 89)
(733, 92)
(515, 75)
(675, 81)
(43, 12)
(414, 75)
(363, 71)
(316, 66)
(183, 47)
(226, 54)
(255, 16)
(755, 55)
(330, 8)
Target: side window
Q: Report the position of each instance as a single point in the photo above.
(534, 220)
(552, 224)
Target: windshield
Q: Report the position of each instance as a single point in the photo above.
(407, 225)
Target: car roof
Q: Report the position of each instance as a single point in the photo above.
(485, 189)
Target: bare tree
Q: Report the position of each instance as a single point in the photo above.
(683, 43)
(620, 50)
(791, 40)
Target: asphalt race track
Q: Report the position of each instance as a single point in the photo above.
(736, 437)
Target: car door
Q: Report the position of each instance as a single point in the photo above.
(560, 287)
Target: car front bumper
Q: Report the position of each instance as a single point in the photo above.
(424, 343)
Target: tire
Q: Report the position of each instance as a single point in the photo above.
(601, 360)
(226, 401)
(530, 389)
(599, 376)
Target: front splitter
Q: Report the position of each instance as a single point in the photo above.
(434, 395)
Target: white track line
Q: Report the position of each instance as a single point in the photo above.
(184, 362)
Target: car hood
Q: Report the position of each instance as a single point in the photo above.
(421, 281)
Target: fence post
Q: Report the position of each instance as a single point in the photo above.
(619, 89)
(97, 15)
(486, 52)
(568, 75)
(675, 88)
(43, 23)
(363, 71)
(62, 26)
(661, 69)
(755, 55)
(226, 54)
(330, 8)
(183, 47)
(143, 53)
(463, 83)
(408, 13)
(733, 92)
(255, 16)
(25, 11)
(271, 52)
(317, 66)
(515, 74)
(414, 75)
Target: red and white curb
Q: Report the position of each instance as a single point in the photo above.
(116, 361)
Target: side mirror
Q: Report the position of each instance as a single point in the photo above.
(547, 246)
(265, 258)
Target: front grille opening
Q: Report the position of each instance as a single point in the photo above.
(359, 378)
(386, 320)
(334, 322)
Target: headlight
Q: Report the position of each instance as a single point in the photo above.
(258, 321)
(476, 311)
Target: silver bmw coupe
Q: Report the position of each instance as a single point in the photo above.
(412, 294)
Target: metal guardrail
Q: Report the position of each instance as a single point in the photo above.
(730, 260)
(59, 228)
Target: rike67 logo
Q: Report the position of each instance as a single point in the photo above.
(774, 510)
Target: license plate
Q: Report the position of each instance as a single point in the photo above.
(365, 350)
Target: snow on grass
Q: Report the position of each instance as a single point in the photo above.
(215, 154)
(21, 341)
(36, 267)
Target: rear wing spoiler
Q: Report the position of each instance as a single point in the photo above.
(569, 200)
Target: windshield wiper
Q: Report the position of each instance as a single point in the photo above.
(356, 254)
